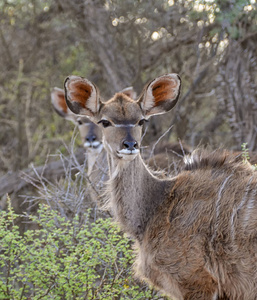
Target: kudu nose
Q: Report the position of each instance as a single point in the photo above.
(90, 138)
(130, 145)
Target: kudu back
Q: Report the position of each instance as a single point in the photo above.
(196, 233)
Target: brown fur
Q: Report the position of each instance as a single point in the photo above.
(195, 233)
(253, 158)
(196, 237)
(208, 223)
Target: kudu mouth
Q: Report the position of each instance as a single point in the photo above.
(129, 148)
(128, 152)
(92, 145)
(127, 155)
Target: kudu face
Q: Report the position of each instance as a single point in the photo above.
(121, 118)
(90, 133)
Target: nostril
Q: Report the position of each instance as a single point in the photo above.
(130, 145)
(126, 144)
(91, 138)
(135, 145)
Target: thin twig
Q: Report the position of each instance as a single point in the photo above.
(153, 148)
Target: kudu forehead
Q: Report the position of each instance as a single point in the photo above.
(122, 110)
(87, 127)
(85, 120)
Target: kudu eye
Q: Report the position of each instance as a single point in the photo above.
(142, 122)
(105, 123)
(79, 122)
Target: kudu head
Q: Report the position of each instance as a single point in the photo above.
(121, 118)
(90, 133)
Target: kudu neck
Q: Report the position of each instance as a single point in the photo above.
(135, 194)
(92, 156)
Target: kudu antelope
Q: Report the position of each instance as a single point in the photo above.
(91, 137)
(196, 233)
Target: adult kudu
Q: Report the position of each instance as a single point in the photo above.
(195, 233)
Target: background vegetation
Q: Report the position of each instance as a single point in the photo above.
(211, 44)
(114, 43)
(66, 260)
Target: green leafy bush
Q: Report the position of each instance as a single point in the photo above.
(63, 259)
(246, 155)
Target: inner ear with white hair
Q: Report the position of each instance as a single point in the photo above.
(160, 95)
(82, 96)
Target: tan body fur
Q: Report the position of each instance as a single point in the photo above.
(208, 222)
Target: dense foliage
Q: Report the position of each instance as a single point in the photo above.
(63, 259)
(211, 44)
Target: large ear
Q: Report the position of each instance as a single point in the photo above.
(160, 95)
(60, 106)
(82, 96)
(129, 91)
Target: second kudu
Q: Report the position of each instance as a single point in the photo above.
(196, 233)
(91, 138)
